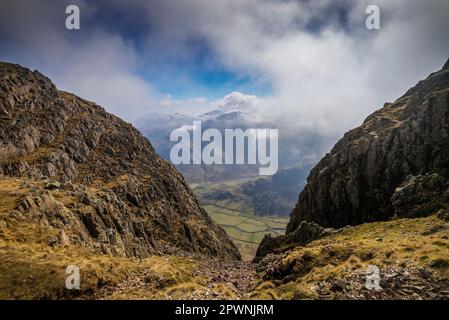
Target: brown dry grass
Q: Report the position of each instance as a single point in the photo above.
(36, 271)
(399, 242)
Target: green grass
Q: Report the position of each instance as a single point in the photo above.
(246, 229)
(236, 214)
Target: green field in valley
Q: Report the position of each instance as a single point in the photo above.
(247, 230)
(234, 212)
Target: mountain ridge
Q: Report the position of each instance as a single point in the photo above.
(394, 165)
(92, 179)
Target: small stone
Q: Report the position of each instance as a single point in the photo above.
(52, 185)
(86, 199)
(53, 241)
(439, 263)
(443, 214)
(338, 285)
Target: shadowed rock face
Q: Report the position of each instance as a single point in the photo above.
(355, 182)
(119, 195)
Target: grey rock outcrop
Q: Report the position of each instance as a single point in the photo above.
(304, 233)
(106, 187)
(356, 181)
(396, 164)
(421, 195)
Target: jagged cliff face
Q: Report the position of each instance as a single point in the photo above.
(396, 162)
(91, 178)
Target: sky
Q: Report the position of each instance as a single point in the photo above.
(312, 64)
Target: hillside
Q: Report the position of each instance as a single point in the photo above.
(393, 167)
(395, 163)
(262, 196)
(72, 174)
(412, 255)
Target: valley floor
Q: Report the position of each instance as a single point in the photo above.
(236, 214)
(244, 228)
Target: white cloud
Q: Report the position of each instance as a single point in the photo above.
(332, 79)
(191, 106)
(236, 101)
(96, 65)
(103, 70)
(326, 80)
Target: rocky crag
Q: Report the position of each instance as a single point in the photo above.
(73, 174)
(396, 164)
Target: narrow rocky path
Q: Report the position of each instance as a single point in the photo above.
(235, 276)
(214, 279)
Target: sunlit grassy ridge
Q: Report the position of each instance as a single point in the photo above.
(403, 243)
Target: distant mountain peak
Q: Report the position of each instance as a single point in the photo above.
(233, 115)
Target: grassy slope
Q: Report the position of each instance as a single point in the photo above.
(37, 271)
(404, 245)
(30, 268)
